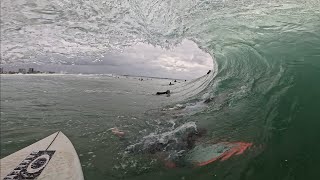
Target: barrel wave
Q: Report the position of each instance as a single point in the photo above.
(264, 88)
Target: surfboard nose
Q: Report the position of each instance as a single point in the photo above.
(53, 157)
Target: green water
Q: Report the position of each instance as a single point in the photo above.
(83, 107)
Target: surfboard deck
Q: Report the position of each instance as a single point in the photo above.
(51, 158)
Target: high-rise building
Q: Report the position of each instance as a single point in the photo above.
(31, 71)
(22, 71)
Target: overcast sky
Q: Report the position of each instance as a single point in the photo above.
(185, 61)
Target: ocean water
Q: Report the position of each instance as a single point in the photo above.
(85, 108)
(264, 89)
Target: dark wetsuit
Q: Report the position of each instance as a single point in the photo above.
(166, 92)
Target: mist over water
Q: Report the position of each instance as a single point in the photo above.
(264, 87)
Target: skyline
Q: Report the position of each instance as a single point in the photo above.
(185, 61)
(29, 70)
(17, 70)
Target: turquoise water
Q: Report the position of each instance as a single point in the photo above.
(264, 89)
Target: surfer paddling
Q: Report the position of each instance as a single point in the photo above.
(117, 132)
(165, 92)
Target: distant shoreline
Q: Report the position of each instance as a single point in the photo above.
(152, 77)
(107, 75)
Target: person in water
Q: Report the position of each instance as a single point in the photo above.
(170, 146)
(185, 145)
(165, 92)
(209, 72)
(181, 138)
(171, 83)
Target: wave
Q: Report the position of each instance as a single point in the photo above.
(263, 54)
(73, 29)
(258, 53)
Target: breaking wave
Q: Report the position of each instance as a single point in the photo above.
(260, 51)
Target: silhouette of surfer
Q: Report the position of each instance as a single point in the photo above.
(165, 92)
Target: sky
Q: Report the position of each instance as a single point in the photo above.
(185, 61)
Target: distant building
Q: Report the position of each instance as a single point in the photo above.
(22, 71)
(1, 70)
(31, 70)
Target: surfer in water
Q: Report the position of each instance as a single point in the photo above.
(181, 138)
(117, 132)
(165, 92)
(182, 146)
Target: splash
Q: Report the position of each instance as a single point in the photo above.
(172, 140)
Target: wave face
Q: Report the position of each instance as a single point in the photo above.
(265, 88)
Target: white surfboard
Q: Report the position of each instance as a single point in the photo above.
(52, 158)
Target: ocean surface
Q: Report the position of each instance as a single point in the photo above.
(85, 108)
(264, 88)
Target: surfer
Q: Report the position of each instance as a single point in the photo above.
(209, 72)
(170, 84)
(117, 132)
(208, 100)
(180, 139)
(165, 92)
(183, 145)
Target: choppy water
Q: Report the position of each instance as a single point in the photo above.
(265, 87)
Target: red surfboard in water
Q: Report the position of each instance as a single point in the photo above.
(202, 155)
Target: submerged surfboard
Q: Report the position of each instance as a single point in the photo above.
(202, 155)
(53, 157)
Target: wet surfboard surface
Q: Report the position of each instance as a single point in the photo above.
(53, 157)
